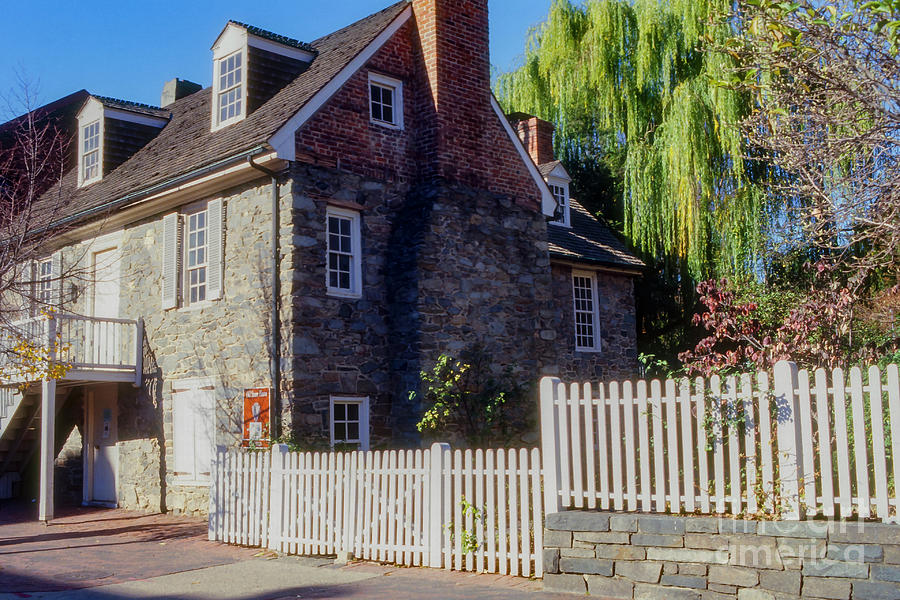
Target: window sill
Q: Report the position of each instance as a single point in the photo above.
(198, 305)
(386, 125)
(343, 294)
(191, 482)
(559, 224)
(588, 350)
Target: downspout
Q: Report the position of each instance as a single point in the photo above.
(275, 346)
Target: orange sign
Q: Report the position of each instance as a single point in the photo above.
(257, 419)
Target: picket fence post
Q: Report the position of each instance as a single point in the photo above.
(788, 419)
(550, 442)
(216, 495)
(439, 454)
(276, 495)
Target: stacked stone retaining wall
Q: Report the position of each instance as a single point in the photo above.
(627, 555)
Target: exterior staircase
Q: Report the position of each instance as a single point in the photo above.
(20, 433)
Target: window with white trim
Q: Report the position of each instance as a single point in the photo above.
(195, 259)
(587, 319)
(561, 195)
(343, 255)
(350, 422)
(193, 430)
(90, 152)
(193, 249)
(45, 282)
(385, 100)
(230, 88)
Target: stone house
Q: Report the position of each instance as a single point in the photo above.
(324, 221)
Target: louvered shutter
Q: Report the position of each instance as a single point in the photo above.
(25, 290)
(215, 215)
(56, 284)
(171, 261)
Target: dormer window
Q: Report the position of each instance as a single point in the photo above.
(90, 153)
(242, 50)
(230, 88)
(560, 192)
(385, 101)
(110, 131)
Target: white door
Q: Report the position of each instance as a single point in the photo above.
(103, 435)
(104, 338)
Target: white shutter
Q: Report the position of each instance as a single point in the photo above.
(204, 432)
(171, 261)
(24, 289)
(56, 283)
(215, 214)
(183, 434)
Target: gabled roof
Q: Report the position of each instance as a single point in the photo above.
(547, 168)
(188, 131)
(274, 37)
(135, 107)
(588, 240)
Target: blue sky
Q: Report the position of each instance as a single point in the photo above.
(128, 50)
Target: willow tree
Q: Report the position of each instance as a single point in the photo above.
(635, 79)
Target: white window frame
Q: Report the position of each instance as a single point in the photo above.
(97, 151)
(180, 391)
(355, 290)
(560, 191)
(396, 87)
(218, 122)
(363, 403)
(194, 210)
(44, 288)
(594, 312)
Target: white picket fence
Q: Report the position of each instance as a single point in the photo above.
(794, 444)
(399, 506)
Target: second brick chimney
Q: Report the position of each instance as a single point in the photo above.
(536, 135)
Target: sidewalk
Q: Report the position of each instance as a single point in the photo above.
(114, 554)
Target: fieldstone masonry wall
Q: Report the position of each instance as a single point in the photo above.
(649, 557)
(617, 358)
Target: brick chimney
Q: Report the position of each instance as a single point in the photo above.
(176, 89)
(536, 135)
(454, 39)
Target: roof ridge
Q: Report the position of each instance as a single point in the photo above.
(128, 103)
(318, 41)
(274, 37)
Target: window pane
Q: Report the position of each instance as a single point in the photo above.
(352, 431)
(340, 411)
(353, 412)
(340, 432)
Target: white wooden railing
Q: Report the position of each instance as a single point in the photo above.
(84, 344)
(399, 506)
(790, 444)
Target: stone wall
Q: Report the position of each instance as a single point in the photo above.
(443, 268)
(617, 358)
(622, 555)
(224, 341)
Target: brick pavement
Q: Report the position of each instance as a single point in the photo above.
(120, 554)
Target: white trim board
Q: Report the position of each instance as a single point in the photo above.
(283, 139)
(548, 202)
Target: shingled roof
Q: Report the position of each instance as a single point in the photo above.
(186, 143)
(136, 107)
(274, 37)
(589, 240)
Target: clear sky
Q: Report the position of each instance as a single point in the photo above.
(128, 49)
